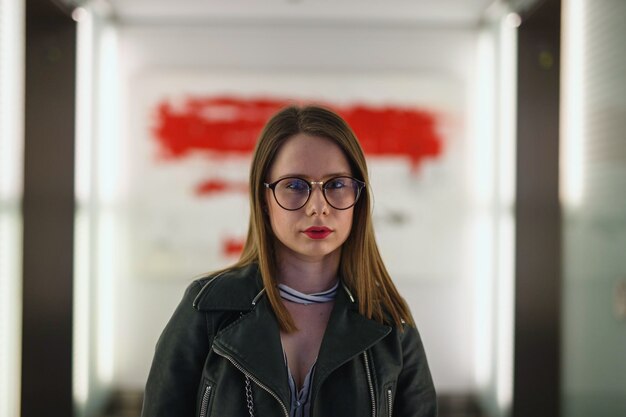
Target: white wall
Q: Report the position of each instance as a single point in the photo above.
(444, 305)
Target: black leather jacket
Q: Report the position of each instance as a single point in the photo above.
(224, 330)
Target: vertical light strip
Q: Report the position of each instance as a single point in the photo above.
(11, 98)
(108, 236)
(82, 227)
(481, 240)
(110, 148)
(10, 312)
(505, 312)
(482, 266)
(482, 172)
(12, 44)
(84, 104)
(572, 104)
(108, 171)
(81, 309)
(507, 116)
(506, 200)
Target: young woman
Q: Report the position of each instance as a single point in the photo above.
(308, 321)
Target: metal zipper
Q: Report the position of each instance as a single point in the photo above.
(390, 401)
(249, 375)
(205, 401)
(369, 382)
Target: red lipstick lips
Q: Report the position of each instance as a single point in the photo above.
(317, 232)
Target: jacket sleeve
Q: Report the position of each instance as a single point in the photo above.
(415, 392)
(176, 369)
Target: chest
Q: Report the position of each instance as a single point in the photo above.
(351, 389)
(302, 347)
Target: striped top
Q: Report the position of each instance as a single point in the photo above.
(296, 296)
(300, 405)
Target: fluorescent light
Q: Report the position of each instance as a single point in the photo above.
(110, 148)
(507, 114)
(481, 266)
(84, 107)
(10, 311)
(507, 139)
(97, 176)
(107, 235)
(82, 315)
(573, 104)
(505, 312)
(82, 227)
(481, 176)
(513, 20)
(493, 225)
(11, 99)
(483, 142)
(107, 172)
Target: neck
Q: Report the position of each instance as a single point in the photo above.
(308, 276)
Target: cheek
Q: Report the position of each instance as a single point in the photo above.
(346, 223)
(278, 219)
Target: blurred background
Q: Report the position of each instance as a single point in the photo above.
(494, 132)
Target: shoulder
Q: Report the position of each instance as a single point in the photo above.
(233, 289)
(401, 339)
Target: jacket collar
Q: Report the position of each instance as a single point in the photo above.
(232, 290)
(253, 341)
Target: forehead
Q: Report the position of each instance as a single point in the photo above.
(309, 156)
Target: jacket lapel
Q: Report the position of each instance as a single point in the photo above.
(347, 335)
(253, 342)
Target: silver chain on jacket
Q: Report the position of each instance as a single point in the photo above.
(249, 398)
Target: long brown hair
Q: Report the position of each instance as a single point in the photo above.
(361, 266)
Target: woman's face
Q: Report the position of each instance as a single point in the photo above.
(313, 159)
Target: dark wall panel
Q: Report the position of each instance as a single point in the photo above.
(48, 208)
(538, 227)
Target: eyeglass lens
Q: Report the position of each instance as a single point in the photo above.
(293, 193)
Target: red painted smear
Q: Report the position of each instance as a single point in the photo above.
(232, 246)
(220, 186)
(395, 131)
(226, 125)
(222, 125)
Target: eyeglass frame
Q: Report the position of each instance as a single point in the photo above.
(272, 186)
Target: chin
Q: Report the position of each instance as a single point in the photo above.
(319, 251)
(309, 248)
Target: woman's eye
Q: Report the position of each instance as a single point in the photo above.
(336, 184)
(296, 185)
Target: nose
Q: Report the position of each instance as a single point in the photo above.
(317, 202)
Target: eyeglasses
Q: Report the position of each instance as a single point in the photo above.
(292, 193)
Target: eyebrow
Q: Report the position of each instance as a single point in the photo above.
(306, 177)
